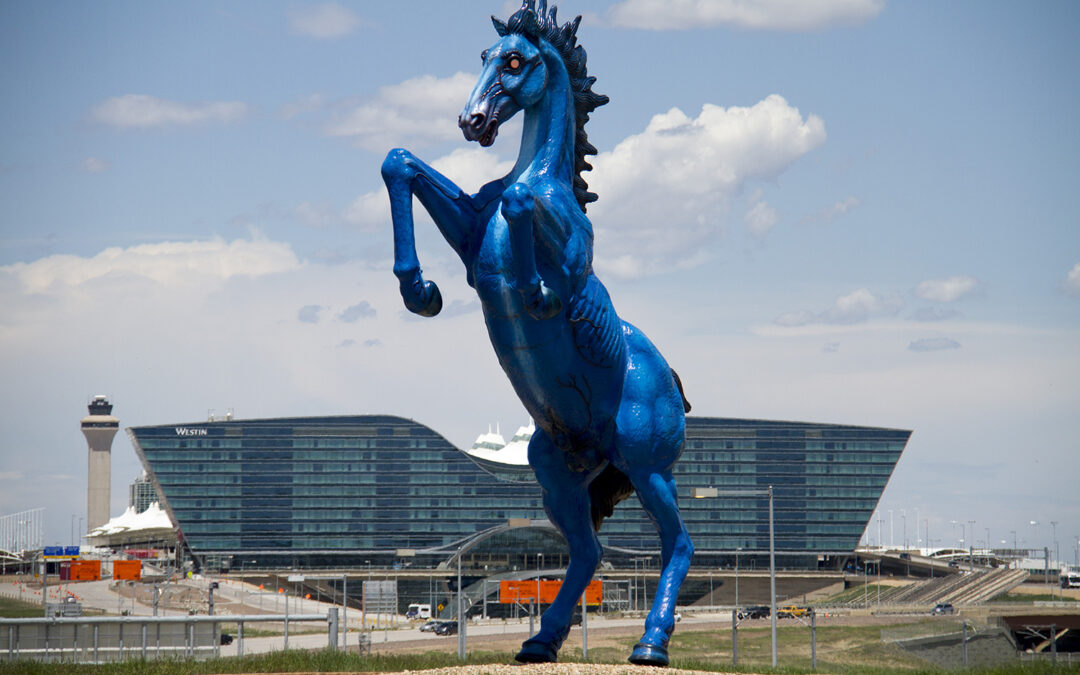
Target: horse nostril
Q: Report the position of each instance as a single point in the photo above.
(476, 121)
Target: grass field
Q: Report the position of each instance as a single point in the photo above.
(842, 650)
(10, 608)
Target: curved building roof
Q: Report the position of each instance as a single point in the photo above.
(365, 484)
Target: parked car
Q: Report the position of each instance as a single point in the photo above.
(943, 608)
(446, 628)
(754, 612)
(429, 627)
(791, 611)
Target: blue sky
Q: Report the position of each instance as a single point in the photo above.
(849, 211)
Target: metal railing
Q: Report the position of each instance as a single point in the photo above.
(105, 639)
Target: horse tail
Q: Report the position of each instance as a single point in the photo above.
(678, 383)
(608, 489)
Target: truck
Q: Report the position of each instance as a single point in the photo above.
(418, 611)
(1070, 577)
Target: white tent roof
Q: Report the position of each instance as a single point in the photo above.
(153, 518)
(515, 452)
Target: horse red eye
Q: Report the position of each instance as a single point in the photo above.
(514, 64)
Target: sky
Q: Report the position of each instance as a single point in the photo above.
(847, 211)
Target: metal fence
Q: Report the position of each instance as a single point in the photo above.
(105, 639)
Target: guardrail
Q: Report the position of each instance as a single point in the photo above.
(105, 639)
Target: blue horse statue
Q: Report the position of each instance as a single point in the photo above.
(608, 409)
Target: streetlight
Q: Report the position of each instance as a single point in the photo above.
(918, 541)
(737, 549)
(707, 492)
(971, 547)
(903, 521)
(1057, 554)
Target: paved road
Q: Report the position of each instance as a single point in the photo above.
(236, 598)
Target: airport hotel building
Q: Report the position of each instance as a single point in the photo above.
(347, 490)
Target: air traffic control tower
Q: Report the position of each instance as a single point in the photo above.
(99, 427)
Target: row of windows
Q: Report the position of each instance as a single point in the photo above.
(767, 447)
(159, 444)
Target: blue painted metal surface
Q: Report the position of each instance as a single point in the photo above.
(609, 411)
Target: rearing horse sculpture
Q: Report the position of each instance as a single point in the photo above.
(608, 409)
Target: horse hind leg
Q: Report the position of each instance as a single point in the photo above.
(658, 496)
(568, 505)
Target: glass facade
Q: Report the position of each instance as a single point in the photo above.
(141, 494)
(314, 489)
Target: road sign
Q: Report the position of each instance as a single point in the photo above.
(544, 591)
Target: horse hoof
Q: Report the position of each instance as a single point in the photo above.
(649, 655)
(536, 652)
(426, 302)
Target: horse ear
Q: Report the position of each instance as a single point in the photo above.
(500, 27)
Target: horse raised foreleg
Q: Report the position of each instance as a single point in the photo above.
(517, 207)
(657, 494)
(566, 500)
(450, 208)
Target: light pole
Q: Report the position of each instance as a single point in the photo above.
(737, 549)
(917, 540)
(1057, 554)
(460, 618)
(363, 597)
(707, 492)
(903, 527)
(971, 546)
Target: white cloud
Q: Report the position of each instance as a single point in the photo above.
(933, 344)
(166, 263)
(324, 22)
(785, 15)
(309, 313)
(94, 165)
(665, 193)
(361, 310)
(416, 112)
(855, 307)
(1072, 281)
(140, 111)
(833, 211)
(308, 104)
(947, 290)
(761, 218)
(315, 215)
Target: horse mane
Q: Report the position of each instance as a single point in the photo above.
(535, 23)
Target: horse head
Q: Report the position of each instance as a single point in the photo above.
(513, 78)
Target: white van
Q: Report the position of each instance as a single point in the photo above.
(417, 611)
